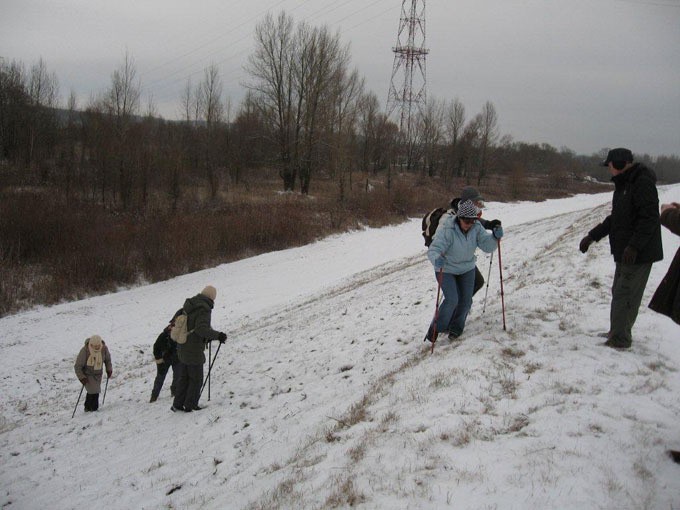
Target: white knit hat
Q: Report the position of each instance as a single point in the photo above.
(210, 292)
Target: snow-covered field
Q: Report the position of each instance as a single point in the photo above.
(325, 396)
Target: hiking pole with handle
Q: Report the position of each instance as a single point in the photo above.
(488, 277)
(212, 362)
(209, 357)
(106, 387)
(500, 269)
(80, 395)
(436, 309)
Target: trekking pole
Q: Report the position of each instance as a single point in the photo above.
(106, 387)
(488, 277)
(209, 370)
(500, 269)
(209, 357)
(80, 395)
(436, 309)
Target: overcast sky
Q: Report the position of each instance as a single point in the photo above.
(583, 74)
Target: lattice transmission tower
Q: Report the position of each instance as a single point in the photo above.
(408, 92)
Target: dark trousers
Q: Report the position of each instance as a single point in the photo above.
(161, 372)
(189, 382)
(629, 284)
(91, 402)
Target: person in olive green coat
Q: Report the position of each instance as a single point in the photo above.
(192, 353)
(89, 368)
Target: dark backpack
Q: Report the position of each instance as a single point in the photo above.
(430, 224)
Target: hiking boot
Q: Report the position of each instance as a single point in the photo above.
(153, 399)
(187, 410)
(615, 343)
(198, 408)
(431, 336)
(175, 409)
(453, 337)
(675, 455)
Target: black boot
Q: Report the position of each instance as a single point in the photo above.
(675, 455)
(431, 336)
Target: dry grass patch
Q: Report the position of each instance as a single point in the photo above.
(344, 493)
(512, 352)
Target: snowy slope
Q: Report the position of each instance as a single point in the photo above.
(325, 395)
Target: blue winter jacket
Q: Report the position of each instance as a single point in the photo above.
(457, 247)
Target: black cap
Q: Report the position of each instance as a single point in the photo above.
(470, 193)
(619, 154)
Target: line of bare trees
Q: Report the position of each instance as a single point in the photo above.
(306, 112)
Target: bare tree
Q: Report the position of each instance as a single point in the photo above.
(122, 98)
(455, 124)
(468, 147)
(68, 157)
(341, 116)
(14, 105)
(43, 91)
(189, 104)
(369, 108)
(488, 135)
(212, 112)
(321, 61)
(122, 104)
(271, 68)
(293, 72)
(210, 94)
(431, 126)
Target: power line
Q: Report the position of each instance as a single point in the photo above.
(646, 2)
(329, 8)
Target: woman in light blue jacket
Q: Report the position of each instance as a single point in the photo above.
(453, 252)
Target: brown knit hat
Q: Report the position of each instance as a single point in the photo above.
(210, 292)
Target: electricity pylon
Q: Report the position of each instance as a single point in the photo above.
(408, 92)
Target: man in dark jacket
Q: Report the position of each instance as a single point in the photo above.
(634, 234)
(192, 353)
(165, 356)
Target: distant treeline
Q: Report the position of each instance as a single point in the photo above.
(306, 114)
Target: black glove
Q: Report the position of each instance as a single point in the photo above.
(585, 244)
(494, 223)
(629, 255)
(222, 337)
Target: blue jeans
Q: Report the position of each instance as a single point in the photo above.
(453, 312)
